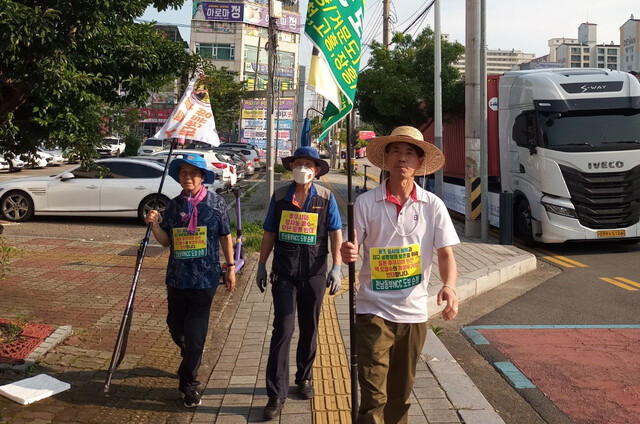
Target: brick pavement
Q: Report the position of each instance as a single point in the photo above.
(86, 285)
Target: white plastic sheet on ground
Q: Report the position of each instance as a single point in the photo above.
(33, 389)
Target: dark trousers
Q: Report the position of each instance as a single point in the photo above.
(305, 296)
(188, 321)
(387, 356)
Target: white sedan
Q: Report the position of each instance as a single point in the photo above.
(215, 162)
(128, 189)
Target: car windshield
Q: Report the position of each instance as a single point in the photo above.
(600, 129)
(153, 142)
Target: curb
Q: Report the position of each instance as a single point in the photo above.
(482, 280)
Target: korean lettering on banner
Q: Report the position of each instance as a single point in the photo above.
(335, 26)
(225, 12)
(194, 122)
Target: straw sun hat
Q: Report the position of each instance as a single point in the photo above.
(433, 157)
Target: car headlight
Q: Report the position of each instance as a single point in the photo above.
(559, 210)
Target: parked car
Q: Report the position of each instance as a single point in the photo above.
(128, 189)
(14, 163)
(4, 164)
(214, 161)
(56, 152)
(152, 145)
(251, 154)
(111, 147)
(218, 183)
(241, 164)
(56, 156)
(36, 160)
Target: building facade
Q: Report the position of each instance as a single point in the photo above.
(585, 52)
(499, 61)
(629, 46)
(234, 35)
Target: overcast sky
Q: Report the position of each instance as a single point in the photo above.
(511, 24)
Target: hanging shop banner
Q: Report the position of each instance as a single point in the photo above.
(253, 14)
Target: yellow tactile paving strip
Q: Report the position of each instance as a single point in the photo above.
(331, 370)
(332, 380)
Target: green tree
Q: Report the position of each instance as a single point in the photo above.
(397, 88)
(68, 67)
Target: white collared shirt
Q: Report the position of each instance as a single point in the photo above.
(425, 222)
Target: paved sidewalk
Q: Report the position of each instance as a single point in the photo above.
(443, 393)
(85, 285)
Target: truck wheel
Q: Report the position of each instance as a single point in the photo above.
(523, 222)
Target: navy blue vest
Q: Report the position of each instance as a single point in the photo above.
(301, 261)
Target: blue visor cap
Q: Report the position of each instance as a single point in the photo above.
(195, 160)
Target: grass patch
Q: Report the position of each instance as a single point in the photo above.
(252, 234)
(10, 332)
(438, 331)
(285, 174)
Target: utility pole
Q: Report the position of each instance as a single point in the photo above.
(437, 84)
(385, 24)
(484, 145)
(299, 107)
(472, 120)
(275, 12)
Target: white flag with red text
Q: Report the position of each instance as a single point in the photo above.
(192, 118)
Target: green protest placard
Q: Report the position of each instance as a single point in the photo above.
(335, 28)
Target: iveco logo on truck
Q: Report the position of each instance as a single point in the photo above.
(606, 165)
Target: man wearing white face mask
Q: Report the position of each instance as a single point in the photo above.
(302, 222)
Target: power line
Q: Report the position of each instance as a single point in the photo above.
(422, 15)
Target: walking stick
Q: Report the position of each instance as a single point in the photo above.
(352, 280)
(125, 324)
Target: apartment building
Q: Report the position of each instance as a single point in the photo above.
(234, 35)
(499, 61)
(586, 52)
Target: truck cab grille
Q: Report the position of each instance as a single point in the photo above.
(606, 200)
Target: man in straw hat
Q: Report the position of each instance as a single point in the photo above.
(302, 221)
(398, 224)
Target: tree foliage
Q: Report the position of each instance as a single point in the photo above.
(397, 86)
(67, 66)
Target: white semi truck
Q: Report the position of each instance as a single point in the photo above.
(569, 148)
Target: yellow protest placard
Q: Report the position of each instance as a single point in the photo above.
(395, 268)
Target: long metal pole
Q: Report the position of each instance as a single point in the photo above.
(125, 323)
(437, 83)
(484, 149)
(472, 124)
(385, 24)
(352, 278)
(269, 152)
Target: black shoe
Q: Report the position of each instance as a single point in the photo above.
(273, 408)
(192, 398)
(305, 389)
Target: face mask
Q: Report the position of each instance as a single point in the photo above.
(302, 174)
